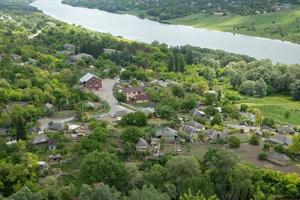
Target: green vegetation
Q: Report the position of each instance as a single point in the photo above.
(275, 107)
(283, 25)
(255, 18)
(108, 158)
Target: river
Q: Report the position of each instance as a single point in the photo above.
(145, 30)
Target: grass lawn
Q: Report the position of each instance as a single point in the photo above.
(284, 25)
(275, 107)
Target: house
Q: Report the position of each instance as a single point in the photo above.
(90, 105)
(197, 113)
(81, 56)
(213, 135)
(91, 81)
(148, 110)
(72, 128)
(196, 125)
(142, 98)
(168, 134)
(70, 47)
(281, 139)
(49, 106)
(110, 51)
(132, 92)
(285, 130)
(56, 126)
(142, 145)
(155, 146)
(278, 158)
(40, 139)
(11, 140)
(52, 144)
(55, 159)
(119, 113)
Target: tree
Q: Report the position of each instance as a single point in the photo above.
(217, 120)
(219, 165)
(234, 142)
(244, 108)
(99, 192)
(134, 119)
(279, 148)
(120, 96)
(268, 122)
(254, 140)
(248, 88)
(261, 88)
(198, 196)
(147, 193)
(103, 167)
(295, 90)
(26, 194)
(132, 135)
(165, 112)
(295, 146)
(177, 90)
(177, 172)
(287, 114)
(189, 103)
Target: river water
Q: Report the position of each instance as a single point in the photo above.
(145, 30)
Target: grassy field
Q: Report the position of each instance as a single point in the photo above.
(275, 107)
(283, 25)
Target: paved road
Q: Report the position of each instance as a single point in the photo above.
(106, 93)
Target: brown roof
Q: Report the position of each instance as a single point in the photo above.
(133, 89)
(142, 97)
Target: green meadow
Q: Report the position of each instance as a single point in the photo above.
(283, 25)
(275, 107)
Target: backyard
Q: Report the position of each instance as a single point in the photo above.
(246, 153)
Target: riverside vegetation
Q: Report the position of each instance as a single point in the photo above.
(35, 69)
(271, 19)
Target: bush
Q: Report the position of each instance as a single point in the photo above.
(134, 119)
(234, 142)
(279, 148)
(244, 108)
(254, 140)
(262, 156)
(266, 147)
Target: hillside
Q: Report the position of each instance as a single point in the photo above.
(270, 19)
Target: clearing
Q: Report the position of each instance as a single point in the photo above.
(275, 107)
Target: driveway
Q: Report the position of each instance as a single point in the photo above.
(106, 93)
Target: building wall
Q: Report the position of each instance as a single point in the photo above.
(94, 84)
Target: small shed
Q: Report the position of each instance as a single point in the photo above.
(40, 139)
(142, 145)
(52, 144)
(278, 158)
(285, 130)
(57, 126)
(167, 133)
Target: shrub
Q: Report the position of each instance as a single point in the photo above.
(134, 119)
(262, 156)
(234, 142)
(279, 148)
(254, 140)
(266, 147)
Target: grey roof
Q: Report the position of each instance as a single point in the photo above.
(196, 112)
(87, 77)
(166, 132)
(285, 129)
(148, 110)
(40, 139)
(278, 156)
(194, 124)
(49, 106)
(59, 126)
(142, 144)
(280, 139)
(80, 56)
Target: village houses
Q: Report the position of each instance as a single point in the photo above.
(91, 81)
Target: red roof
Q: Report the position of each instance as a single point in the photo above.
(142, 97)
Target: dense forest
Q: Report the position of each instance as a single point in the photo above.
(170, 9)
(37, 67)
